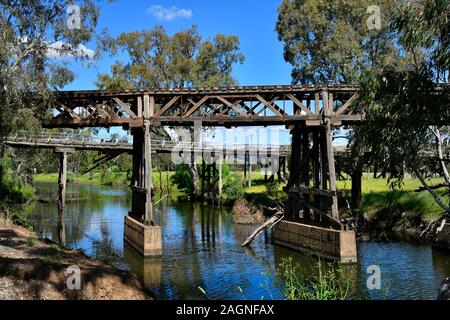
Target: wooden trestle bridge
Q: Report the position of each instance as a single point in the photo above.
(309, 111)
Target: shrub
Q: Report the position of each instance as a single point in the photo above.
(331, 282)
(182, 179)
(233, 188)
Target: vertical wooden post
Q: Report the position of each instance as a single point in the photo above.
(305, 171)
(62, 179)
(203, 177)
(245, 168)
(249, 171)
(328, 108)
(220, 178)
(316, 166)
(149, 104)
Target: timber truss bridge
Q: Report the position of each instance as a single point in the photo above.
(309, 111)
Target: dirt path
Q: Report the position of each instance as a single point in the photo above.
(34, 269)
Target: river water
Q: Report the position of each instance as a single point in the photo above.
(201, 249)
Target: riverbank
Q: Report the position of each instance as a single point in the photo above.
(34, 269)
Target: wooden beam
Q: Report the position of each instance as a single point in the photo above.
(125, 107)
(195, 107)
(167, 106)
(270, 106)
(342, 109)
(232, 106)
(299, 104)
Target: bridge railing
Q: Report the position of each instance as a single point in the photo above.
(75, 138)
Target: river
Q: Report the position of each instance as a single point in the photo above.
(201, 249)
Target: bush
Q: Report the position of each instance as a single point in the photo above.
(272, 187)
(233, 188)
(330, 283)
(182, 179)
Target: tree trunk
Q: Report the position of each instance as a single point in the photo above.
(356, 187)
(193, 172)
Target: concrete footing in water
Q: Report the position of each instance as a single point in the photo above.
(330, 244)
(145, 239)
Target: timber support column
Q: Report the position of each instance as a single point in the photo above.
(140, 230)
(62, 183)
(328, 107)
(220, 179)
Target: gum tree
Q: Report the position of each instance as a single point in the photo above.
(160, 60)
(336, 42)
(407, 117)
(35, 37)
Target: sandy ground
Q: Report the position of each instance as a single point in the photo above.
(32, 269)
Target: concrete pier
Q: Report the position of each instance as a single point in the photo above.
(336, 245)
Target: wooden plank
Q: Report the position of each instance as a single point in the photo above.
(268, 105)
(232, 106)
(69, 111)
(125, 107)
(299, 104)
(167, 106)
(317, 191)
(196, 106)
(342, 109)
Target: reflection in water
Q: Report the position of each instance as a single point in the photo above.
(202, 248)
(148, 269)
(61, 226)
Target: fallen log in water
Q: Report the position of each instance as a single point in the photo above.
(274, 220)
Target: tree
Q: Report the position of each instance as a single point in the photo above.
(405, 113)
(158, 60)
(34, 37)
(330, 42)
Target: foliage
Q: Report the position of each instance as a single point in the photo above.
(272, 186)
(182, 179)
(331, 282)
(35, 48)
(158, 60)
(329, 41)
(33, 44)
(233, 188)
(402, 105)
(12, 187)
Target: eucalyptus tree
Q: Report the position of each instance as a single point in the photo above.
(159, 60)
(406, 115)
(35, 37)
(336, 42)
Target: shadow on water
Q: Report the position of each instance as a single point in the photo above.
(202, 249)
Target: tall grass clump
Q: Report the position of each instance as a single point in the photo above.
(330, 282)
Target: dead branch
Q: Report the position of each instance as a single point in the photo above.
(274, 220)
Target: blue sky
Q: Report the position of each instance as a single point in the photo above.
(252, 20)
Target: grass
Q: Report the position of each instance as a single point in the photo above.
(377, 196)
(97, 178)
(328, 282)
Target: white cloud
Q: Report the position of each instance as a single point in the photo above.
(61, 49)
(169, 14)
